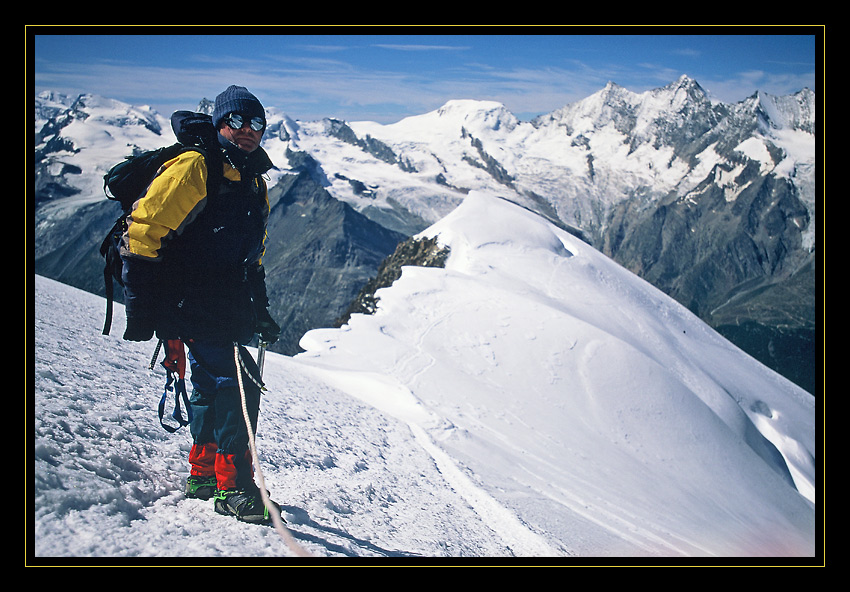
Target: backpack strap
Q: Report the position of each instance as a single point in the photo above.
(111, 268)
(109, 248)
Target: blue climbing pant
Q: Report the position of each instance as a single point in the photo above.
(219, 435)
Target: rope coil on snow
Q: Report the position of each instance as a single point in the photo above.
(275, 516)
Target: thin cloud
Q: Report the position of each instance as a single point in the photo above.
(384, 79)
(687, 53)
(415, 47)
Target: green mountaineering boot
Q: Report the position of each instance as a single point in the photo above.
(245, 504)
(200, 487)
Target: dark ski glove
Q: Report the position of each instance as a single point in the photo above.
(267, 329)
(138, 329)
(143, 300)
(143, 329)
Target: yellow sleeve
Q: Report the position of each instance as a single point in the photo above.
(172, 201)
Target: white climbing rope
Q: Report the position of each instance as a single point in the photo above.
(275, 515)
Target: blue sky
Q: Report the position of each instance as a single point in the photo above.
(387, 77)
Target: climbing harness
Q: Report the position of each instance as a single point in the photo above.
(275, 516)
(175, 367)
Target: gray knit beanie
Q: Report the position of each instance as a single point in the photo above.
(237, 99)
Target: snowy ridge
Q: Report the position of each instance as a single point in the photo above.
(531, 399)
(536, 348)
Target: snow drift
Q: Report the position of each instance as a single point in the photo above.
(585, 399)
(530, 399)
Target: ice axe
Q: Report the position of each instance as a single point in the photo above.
(261, 355)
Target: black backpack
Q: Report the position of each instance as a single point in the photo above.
(127, 181)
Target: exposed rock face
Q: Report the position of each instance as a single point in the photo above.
(424, 252)
(738, 264)
(320, 252)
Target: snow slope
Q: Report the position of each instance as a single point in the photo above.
(108, 479)
(532, 399)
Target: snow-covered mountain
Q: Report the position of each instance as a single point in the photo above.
(530, 399)
(713, 203)
(577, 162)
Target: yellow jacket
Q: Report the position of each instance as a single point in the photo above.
(173, 200)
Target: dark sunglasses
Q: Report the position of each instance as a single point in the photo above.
(235, 121)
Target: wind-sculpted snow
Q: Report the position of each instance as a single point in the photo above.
(574, 390)
(531, 399)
